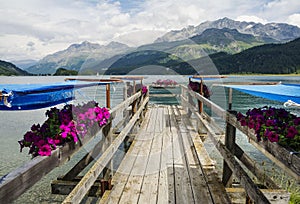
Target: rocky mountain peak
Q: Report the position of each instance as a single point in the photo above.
(278, 31)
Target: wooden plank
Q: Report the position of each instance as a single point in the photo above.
(125, 104)
(27, 175)
(281, 156)
(183, 189)
(252, 166)
(230, 137)
(149, 191)
(87, 181)
(133, 186)
(31, 172)
(252, 190)
(215, 108)
(216, 188)
(65, 187)
(104, 197)
(276, 196)
(164, 95)
(199, 186)
(121, 177)
(166, 176)
(21, 179)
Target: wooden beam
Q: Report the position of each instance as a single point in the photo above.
(282, 157)
(276, 196)
(90, 177)
(250, 187)
(31, 172)
(251, 165)
(230, 145)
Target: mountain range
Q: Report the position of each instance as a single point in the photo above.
(276, 31)
(77, 56)
(175, 49)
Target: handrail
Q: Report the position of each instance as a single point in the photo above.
(23, 176)
(283, 157)
(90, 177)
(250, 187)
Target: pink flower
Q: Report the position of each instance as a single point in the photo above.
(292, 132)
(106, 115)
(45, 150)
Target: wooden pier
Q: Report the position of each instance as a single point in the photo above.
(167, 161)
(163, 166)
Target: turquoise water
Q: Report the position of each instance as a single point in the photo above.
(15, 123)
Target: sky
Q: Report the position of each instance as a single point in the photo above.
(32, 29)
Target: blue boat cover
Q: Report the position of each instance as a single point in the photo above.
(35, 96)
(280, 92)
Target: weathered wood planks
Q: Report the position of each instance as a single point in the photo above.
(161, 165)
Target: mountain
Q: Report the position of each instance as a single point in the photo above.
(77, 56)
(277, 31)
(24, 64)
(175, 54)
(223, 35)
(272, 58)
(265, 59)
(8, 69)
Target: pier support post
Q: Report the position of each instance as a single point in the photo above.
(107, 136)
(230, 145)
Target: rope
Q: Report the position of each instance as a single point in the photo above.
(291, 103)
(4, 97)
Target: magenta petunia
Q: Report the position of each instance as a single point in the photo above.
(45, 150)
(61, 127)
(292, 132)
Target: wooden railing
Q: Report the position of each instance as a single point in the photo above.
(81, 189)
(18, 181)
(232, 152)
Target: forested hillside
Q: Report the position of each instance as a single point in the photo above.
(265, 59)
(8, 69)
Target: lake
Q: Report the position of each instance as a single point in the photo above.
(15, 123)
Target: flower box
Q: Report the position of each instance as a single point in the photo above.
(276, 133)
(68, 125)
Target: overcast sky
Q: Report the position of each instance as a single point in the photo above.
(31, 29)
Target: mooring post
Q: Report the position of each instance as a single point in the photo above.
(108, 95)
(200, 104)
(230, 99)
(230, 145)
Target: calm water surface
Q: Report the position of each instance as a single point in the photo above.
(15, 123)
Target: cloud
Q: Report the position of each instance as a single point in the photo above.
(294, 19)
(254, 19)
(52, 25)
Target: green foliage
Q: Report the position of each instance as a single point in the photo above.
(65, 72)
(9, 69)
(264, 59)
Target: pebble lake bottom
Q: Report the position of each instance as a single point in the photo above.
(15, 123)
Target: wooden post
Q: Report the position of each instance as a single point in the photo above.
(190, 100)
(230, 145)
(230, 99)
(134, 88)
(108, 95)
(125, 91)
(200, 104)
(107, 136)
